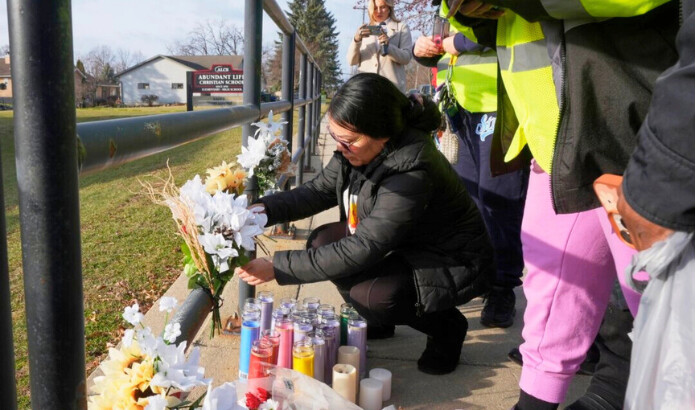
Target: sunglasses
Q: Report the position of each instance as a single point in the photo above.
(344, 144)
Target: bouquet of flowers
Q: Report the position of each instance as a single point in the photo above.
(267, 156)
(149, 372)
(216, 227)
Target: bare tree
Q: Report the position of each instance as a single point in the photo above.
(210, 38)
(124, 59)
(5, 50)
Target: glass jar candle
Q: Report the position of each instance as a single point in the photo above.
(303, 357)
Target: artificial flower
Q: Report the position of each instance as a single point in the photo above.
(222, 178)
(156, 402)
(221, 398)
(132, 314)
(167, 303)
(269, 129)
(171, 332)
(250, 156)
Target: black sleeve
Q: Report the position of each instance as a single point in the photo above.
(400, 201)
(309, 199)
(659, 181)
(484, 29)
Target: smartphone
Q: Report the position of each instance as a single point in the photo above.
(605, 188)
(375, 30)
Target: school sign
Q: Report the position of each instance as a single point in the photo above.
(221, 78)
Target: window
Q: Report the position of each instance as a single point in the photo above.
(3, 86)
(177, 86)
(144, 86)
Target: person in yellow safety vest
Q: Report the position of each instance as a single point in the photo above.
(575, 85)
(500, 199)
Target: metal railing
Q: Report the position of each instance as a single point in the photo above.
(45, 152)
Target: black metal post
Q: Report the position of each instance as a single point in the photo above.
(47, 175)
(190, 103)
(251, 95)
(309, 112)
(302, 119)
(288, 50)
(317, 107)
(8, 389)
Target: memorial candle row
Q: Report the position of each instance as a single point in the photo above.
(308, 337)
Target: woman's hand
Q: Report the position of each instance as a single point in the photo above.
(425, 47)
(361, 33)
(257, 271)
(383, 38)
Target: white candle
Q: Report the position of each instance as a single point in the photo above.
(345, 381)
(384, 376)
(370, 394)
(351, 355)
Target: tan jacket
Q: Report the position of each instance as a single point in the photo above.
(367, 53)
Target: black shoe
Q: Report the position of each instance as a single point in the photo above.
(587, 367)
(500, 308)
(441, 354)
(591, 401)
(380, 332)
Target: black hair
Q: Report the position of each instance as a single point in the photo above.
(372, 105)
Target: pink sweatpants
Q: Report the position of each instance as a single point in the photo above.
(571, 262)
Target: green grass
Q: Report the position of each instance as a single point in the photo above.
(129, 248)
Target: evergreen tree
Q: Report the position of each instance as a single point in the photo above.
(316, 27)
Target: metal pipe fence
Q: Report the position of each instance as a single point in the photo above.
(46, 157)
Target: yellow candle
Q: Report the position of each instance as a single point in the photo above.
(303, 358)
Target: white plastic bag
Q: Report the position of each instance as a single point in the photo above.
(662, 372)
(295, 391)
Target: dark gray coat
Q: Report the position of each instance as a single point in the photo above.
(410, 201)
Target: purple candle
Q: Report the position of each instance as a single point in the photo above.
(325, 310)
(266, 300)
(311, 303)
(302, 327)
(277, 315)
(357, 336)
(319, 342)
(288, 304)
(331, 326)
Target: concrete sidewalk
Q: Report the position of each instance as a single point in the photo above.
(485, 378)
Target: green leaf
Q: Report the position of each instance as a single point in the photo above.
(185, 250)
(192, 282)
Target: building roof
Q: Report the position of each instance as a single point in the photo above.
(193, 62)
(4, 68)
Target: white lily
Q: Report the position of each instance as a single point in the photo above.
(156, 403)
(221, 398)
(269, 129)
(250, 156)
(176, 370)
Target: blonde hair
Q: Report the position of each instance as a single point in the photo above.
(370, 8)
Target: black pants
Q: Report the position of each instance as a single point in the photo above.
(501, 199)
(384, 294)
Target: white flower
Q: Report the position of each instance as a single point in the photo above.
(156, 403)
(221, 398)
(168, 303)
(175, 370)
(269, 404)
(219, 248)
(132, 315)
(171, 332)
(149, 344)
(269, 129)
(128, 337)
(250, 156)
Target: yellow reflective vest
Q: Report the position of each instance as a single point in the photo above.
(473, 79)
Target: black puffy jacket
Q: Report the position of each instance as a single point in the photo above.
(410, 201)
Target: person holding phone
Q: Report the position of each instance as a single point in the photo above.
(383, 46)
(501, 199)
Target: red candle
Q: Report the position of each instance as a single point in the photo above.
(272, 336)
(260, 359)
